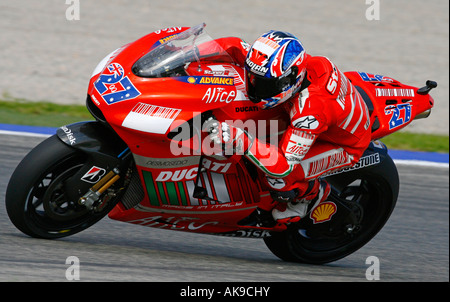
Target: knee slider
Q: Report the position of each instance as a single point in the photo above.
(284, 196)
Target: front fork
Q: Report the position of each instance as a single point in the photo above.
(92, 197)
(105, 150)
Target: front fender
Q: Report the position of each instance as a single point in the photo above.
(103, 148)
(92, 137)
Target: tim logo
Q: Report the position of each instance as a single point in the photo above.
(113, 86)
(93, 175)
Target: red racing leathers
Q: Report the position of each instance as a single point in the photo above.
(329, 127)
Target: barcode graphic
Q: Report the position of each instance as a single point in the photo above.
(156, 111)
(150, 118)
(394, 92)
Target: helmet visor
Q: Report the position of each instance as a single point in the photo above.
(259, 87)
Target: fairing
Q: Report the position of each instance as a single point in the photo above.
(157, 108)
(155, 92)
(392, 104)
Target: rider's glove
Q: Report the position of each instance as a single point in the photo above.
(230, 139)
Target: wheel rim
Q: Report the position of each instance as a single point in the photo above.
(47, 206)
(361, 191)
(55, 202)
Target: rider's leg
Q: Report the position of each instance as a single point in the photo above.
(299, 206)
(302, 191)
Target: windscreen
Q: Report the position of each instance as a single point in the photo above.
(171, 58)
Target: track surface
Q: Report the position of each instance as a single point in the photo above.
(44, 56)
(413, 246)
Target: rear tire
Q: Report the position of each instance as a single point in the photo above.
(374, 189)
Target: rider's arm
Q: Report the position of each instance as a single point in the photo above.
(276, 161)
(308, 120)
(279, 161)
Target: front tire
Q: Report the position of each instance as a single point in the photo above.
(36, 200)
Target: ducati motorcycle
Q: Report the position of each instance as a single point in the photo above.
(141, 160)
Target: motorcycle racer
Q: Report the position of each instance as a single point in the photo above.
(329, 121)
(145, 160)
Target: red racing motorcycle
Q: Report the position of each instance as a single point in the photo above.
(142, 161)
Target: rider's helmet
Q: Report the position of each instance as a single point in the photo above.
(275, 68)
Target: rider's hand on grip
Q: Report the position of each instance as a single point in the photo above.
(231, 140)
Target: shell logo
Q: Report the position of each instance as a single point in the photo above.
(323, 212)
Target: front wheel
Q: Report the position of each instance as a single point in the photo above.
(374, 191)
(36, 199)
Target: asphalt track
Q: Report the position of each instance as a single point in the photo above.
(44, 56)
(413, 246)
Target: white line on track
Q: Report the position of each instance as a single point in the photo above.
(396, 161)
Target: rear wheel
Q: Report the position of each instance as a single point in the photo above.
(372, 192)
(36, 199)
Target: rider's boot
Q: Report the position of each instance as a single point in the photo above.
(296, 207)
